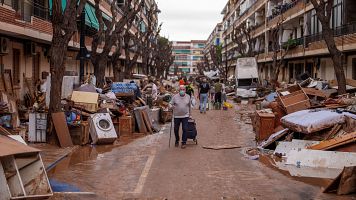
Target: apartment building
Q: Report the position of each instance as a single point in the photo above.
(215, 39)
(187, 54)
(26, 34)
(299, 30)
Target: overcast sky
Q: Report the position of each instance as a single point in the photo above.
(189, 19)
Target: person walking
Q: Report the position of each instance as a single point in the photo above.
(218, 90)
(223, 92)
(189, 89)
(181, 104)
(203, 95)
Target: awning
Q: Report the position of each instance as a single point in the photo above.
(90, 18)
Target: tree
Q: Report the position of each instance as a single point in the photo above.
(163, 58)
(64, 24)
(108, 36)
(242, 37)
(278, 52)
(132, 46)
(150, 37)
(323, 10)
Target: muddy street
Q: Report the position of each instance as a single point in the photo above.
(148, 169)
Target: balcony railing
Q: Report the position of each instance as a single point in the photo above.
(278, 10)
(339, 31)
(26, 10)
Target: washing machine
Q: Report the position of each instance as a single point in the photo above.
(102, 129)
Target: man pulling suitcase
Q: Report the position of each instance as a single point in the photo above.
(181, 104)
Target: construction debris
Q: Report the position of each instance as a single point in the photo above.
(344, 183)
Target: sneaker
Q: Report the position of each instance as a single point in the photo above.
(176, 144)
(183, 146)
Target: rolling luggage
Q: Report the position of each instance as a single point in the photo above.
(192, 130)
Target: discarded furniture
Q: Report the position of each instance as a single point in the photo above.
(143, 119)
(283, 148)
(102, 130)
(322, 159)
(274, 138)
(89, 100)
(22, 173)
(37, 127)
(125, 126)
(310, 121)
(80, 133)
(264, 125)
(60, 124)
(293, 99)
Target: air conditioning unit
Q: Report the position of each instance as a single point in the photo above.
(30, 48)
(121, 3)
(4, 45)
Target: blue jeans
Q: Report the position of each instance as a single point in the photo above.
(184, 122)
(203, 101)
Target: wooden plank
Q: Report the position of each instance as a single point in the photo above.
(62, 131)
(140, 122)
(350, 82)
(147, 121)
(332, 143)
(315, 92)
(2, 84)
(8, 83)
(333, 131)
(4, 191)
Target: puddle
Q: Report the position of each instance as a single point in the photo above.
(276, 163)
(62, 187)
(87, 153)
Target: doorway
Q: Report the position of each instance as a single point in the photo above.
(354, 68)
(36, 68)
(16, 67)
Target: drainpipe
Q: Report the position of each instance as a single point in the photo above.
(82, 46)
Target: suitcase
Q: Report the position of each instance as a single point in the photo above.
(192, 130)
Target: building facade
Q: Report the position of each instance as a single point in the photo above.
(299, 29)
(187, 55)
(26, 34)
(215, 39)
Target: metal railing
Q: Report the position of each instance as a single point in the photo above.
(282, 9)
(24, 11)
(346, 29)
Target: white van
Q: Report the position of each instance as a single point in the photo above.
(246, 74)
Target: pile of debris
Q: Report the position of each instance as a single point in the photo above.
(89, 115)
(310, 128)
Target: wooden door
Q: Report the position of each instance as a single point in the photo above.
(36, 68)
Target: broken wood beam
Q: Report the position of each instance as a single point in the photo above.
(332, 143)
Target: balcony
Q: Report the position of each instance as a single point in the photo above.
(339, 31)
(250, 11)
(258, 29)
(281, 9)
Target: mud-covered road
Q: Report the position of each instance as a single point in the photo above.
(148, 169)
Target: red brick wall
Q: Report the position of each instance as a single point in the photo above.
(8, 16)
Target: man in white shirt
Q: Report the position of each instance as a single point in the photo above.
(181, 104)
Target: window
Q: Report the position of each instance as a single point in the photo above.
(337, 14)
(8, 2)
(40, 9)
(315, 26)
